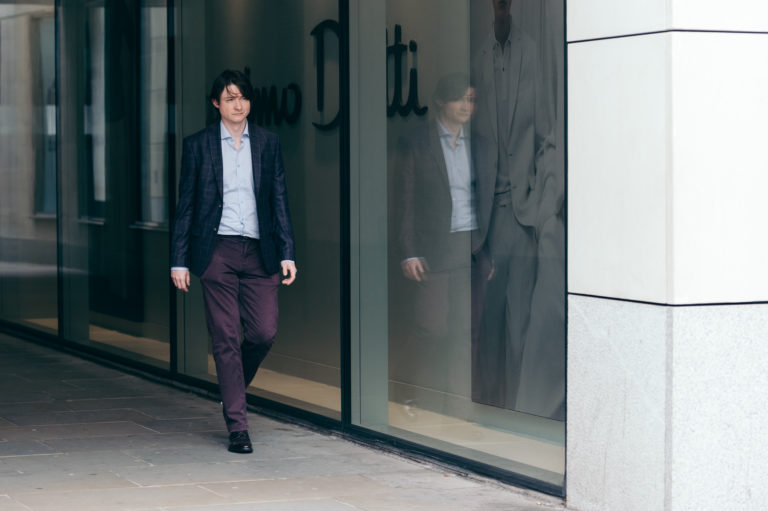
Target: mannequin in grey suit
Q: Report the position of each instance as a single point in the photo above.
(514, 115)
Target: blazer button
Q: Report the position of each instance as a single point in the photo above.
(214, 229)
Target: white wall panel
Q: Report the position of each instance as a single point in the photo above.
(740, 15)
(718, 411)
(590, 19)
(618, 167)
(617, 357)
(666, 406)
(720, 167)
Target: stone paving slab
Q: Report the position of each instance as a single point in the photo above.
(43, 417)
(169, 407)
(443, 500)
(75, 436)
(72, 461)
(23, 408)
(195, 424)
(46, 482)
(23, 448)
(82, 430)
(308, 487)
(424, 480)
(8, 504)
(10, 394)
(209, 452)
(292, 505)
(147, 440)
(117, 499)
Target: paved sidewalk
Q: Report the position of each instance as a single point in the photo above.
(75, 435)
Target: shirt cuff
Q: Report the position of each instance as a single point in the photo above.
(288, 261)
(179, 268)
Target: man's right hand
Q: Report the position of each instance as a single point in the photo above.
(415, 268)
(180, 279)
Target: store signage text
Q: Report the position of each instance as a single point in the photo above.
(397, 51)
(319, 34)
(273, 106)
(265, 109)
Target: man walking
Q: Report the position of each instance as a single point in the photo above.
(233, 230)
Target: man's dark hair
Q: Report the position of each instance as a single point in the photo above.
(230, 77)
(451, 87)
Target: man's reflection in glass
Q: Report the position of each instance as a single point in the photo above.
(436, 197)
(518, 198)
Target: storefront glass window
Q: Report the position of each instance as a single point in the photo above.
(470, 235)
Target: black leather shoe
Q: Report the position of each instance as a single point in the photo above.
(240, 442)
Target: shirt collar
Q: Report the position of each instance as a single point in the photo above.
(225, 133)
(445, 133)
(507, 41)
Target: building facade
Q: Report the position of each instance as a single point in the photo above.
(453, 284)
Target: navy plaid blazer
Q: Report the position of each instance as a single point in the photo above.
(200, 204)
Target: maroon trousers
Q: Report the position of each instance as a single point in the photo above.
(241, 313)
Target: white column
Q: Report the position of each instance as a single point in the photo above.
(668, 281)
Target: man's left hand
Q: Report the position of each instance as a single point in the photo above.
(289, 271)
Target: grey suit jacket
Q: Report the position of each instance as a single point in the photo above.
(529, 137)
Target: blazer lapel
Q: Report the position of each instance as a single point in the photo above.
(487, 173)
(256, 151)
(488, 78)
(437, 153)
(214, 146)
(515, 62)
(485, 169)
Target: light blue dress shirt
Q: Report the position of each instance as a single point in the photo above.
(457, 162)
(238, 216)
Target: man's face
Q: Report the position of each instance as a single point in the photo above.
(461, 110)
(232, 106)
(500, 8)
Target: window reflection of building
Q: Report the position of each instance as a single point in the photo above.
(27, 164)
(151, 63)
(113, 138)
(94, 114)
(46, 174)
(153, 97)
